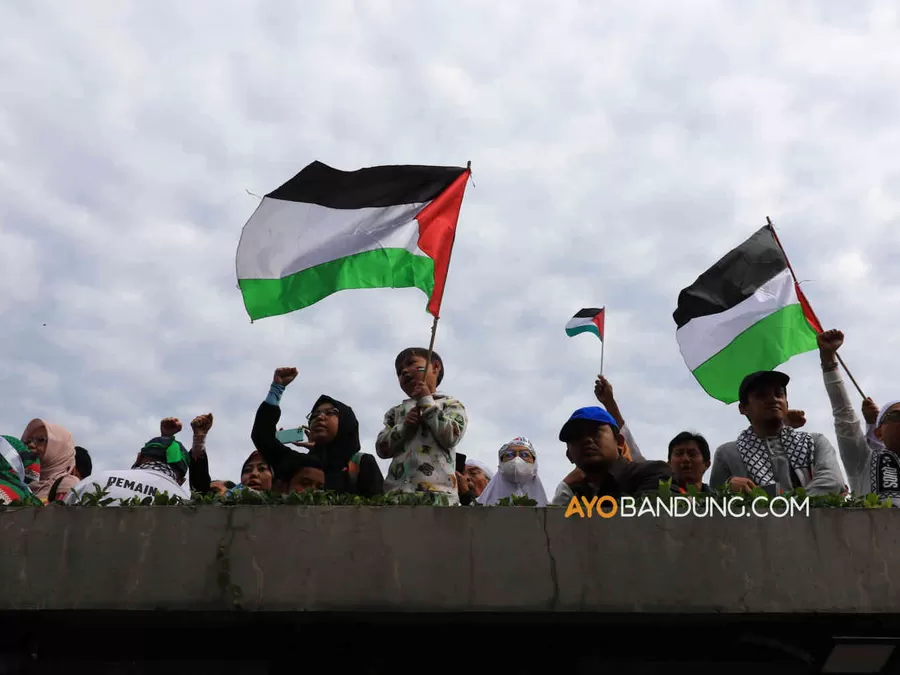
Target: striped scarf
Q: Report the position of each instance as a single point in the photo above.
(799, 446)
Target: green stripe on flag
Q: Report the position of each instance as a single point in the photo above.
(381, 268)
(589, 328)
(765, 345)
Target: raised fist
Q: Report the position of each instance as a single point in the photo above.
(202, 423)
(830, 341)
(284, 376)
(169, 426)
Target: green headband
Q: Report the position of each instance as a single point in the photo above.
(175, 453)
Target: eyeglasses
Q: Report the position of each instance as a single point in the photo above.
(327, 412)
(892, 416)
(38, 440)
(511, 453)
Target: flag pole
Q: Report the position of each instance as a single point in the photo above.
(431, 346)
(436, 317)
(602, 347)
(809, 306)
(602, 343)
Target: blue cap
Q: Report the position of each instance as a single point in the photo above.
(590, 414)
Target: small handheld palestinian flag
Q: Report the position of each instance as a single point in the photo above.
(745, 313)
(327, 230)
(589, 320)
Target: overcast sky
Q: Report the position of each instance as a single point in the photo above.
(618, 150)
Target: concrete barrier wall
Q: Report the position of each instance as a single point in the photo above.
(423, 559)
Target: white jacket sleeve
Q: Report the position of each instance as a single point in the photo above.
(851, 439)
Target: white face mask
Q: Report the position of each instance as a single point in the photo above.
(518, 470)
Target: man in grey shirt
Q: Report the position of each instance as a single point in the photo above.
(771, 453)
(872, 464)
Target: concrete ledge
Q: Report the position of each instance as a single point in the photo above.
(419, 559)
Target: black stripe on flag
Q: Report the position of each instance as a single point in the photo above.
(737, 276)
(376, 186)
(588, 313)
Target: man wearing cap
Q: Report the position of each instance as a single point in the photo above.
(872, 463)
(161, 466)
(770, 452)
(595, 445)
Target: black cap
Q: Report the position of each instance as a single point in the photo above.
(754, 380)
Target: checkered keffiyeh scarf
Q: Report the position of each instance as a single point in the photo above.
(799, 446)
(159, 467)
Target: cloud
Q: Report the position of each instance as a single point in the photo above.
(617, 153)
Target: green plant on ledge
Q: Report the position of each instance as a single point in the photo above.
(759, 495)
(99, 498)
(517, 500)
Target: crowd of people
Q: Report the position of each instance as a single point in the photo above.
(422, 435)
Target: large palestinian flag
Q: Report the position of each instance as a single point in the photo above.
(327, 230)
(745, 313)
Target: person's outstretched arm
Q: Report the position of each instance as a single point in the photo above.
(851, 439)
(199, 471)
(266, 423)
(603, 390)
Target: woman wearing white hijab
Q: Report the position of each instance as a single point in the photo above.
(517, 475)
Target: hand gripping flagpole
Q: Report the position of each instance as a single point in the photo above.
(436, 317)
(809, 306)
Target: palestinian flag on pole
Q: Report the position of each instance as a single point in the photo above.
(587, 321)
(745, 313)
(327, 230)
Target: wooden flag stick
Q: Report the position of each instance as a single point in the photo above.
(812, 311)
(431, 346)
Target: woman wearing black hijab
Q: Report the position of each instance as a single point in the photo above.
(333, 440)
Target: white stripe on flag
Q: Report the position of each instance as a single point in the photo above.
(282, 237)
(580, 321)
(702, 338)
